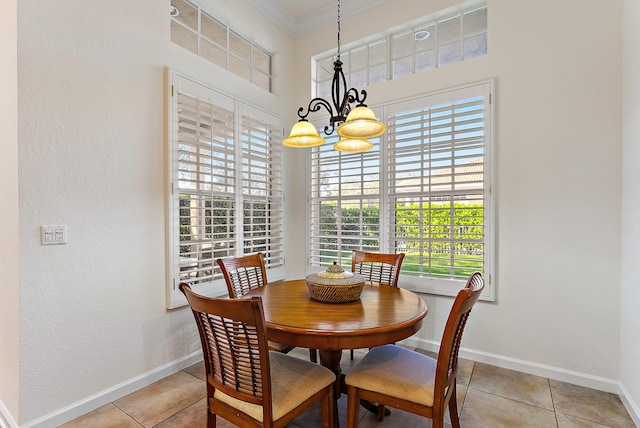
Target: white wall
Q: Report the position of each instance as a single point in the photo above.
(558, 116)
(91, 122)
(630, 281)
(9, 220)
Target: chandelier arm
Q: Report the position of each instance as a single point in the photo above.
(315, 105)
(350, 97)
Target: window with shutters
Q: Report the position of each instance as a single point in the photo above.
(424, 190)
(225, 169)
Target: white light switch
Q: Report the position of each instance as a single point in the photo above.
(53, 234)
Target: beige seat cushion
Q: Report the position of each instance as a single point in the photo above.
(293, 380)
(396, 371)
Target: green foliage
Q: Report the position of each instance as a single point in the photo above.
(439, 239)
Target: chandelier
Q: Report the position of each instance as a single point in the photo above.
(354, 124)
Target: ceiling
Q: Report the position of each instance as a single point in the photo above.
(297, 17)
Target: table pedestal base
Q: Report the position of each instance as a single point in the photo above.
(331, 360)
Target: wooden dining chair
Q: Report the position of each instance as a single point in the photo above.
(247, 384)
(245, 273)
(379, 269)
(397, 377)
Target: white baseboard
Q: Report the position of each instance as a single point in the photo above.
(555, 373)
(632, 406)
(569, 376)
(6, 421)
(102, 398)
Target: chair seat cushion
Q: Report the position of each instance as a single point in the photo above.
(396, 371)
(293, 380)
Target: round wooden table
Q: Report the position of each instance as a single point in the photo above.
(382, 315)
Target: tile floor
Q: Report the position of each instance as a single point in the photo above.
(488, 396)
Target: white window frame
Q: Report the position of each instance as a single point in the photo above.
(253, 151)
(419, 283)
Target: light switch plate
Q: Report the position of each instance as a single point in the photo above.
(53, 234)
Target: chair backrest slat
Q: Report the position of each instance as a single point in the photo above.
(243, 274)
(377, 268)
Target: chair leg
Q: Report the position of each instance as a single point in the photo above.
(453, 408)
(313, 355)
(353, 406)
(380, 412)
(328, 414)
(352, 354)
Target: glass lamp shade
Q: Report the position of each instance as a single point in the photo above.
(303, 134)
(361, 123)
(353, 145)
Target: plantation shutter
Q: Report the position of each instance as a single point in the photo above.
(345, 201)
(226, 198)
(205, 182)
(436, 183)
(262, 194)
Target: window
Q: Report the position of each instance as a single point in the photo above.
(225, 169)
(424, 190)
(197, 31)
(449, 36)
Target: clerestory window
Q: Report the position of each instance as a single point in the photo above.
(196, 30)
(449, 36)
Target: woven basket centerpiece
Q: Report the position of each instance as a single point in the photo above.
(335, 285)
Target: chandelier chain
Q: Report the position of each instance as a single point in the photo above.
(338, 57)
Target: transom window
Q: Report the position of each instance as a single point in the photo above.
(199, 32)
(446, 37)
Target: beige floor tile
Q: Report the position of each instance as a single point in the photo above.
(312, 418)
(511, 384)
(108, 416)
(397, 419)
(465, 370)
(162, 399)
(197, 370)
(566, 421)
(482, 409)
(193, 416)
(591, 405)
